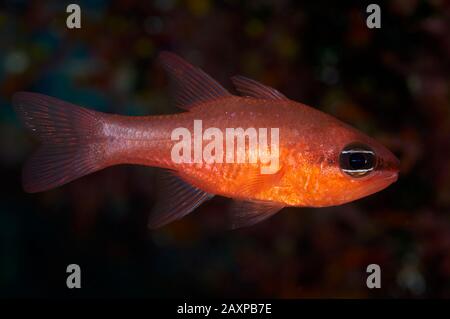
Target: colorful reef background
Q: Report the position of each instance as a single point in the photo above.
(392, 83)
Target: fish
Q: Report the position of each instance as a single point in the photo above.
(321, 161)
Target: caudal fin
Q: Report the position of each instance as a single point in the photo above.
(70, 141)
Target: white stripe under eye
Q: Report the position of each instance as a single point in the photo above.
(357, 151)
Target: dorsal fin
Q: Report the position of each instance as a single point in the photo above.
(190, 84)
(249, 87)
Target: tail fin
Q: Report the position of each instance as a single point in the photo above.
(70, 138)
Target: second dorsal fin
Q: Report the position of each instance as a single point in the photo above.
(249, 87)
(191, 84)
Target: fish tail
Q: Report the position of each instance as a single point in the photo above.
(71, 141)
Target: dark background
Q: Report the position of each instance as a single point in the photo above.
(392, 83)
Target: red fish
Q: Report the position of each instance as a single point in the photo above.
(321, 161)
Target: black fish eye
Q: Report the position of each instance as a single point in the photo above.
(357, 160)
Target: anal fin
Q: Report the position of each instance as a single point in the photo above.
(176, 199)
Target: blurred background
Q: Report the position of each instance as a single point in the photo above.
(392, 83)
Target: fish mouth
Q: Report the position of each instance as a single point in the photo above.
(383, 178)
(393, 171)
(381, 182)
(392, 177)
(389, 167)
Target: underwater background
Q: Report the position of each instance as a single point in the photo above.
(391, 83)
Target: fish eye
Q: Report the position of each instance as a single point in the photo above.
(357, 160)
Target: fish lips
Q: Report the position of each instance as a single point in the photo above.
(386, 172)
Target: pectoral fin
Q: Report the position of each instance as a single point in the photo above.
(176, 199)
(256, 182)
(247, 213)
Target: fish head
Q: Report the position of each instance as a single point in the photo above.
(356, 166)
